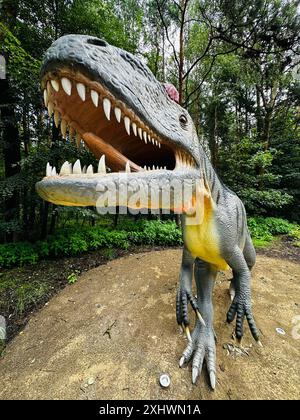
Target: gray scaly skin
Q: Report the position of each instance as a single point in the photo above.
(218, 241)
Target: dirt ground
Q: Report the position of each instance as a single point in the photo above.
(112, 333)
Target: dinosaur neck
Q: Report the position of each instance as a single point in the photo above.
(215, 185)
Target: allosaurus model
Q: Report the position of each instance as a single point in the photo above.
(108, 98)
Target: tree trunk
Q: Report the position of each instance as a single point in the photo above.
(45, 211)
(11, 151)
(259, 123)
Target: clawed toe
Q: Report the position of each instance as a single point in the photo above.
(242, 310)
(183, 298)
(200, 348)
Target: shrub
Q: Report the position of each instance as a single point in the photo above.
(263, 229)
(73, 240)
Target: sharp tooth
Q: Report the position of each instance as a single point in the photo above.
(81, 90)
(156, 142)
(107, 107)
(45, 97)
(127, 125)
(71, 132)
(118, 114)
(145, 136)
(149, 138)
(153, 168)
(67, 85)
(56, 119)
(90, 170)
(95, 97)
(78, 140)
(134, 129)
(159, 145)
(77, 167)
(63, 128)
(165, 168)
(53, 173)
(50, 108)
(140, 131)
(65, 169)
(55, 85)
(48, 88)
(101, 166)
(145, 167)
(48, 169)
(84, 169)
(127, 168)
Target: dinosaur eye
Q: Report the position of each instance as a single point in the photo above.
(183, 119)
(98, 42)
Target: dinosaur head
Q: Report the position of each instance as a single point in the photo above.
(108, 98)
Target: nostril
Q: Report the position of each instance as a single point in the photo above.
(98, 42)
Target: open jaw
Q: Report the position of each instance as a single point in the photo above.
(113, 132)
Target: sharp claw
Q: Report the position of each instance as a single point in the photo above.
(195, 372)
(188, 334)
(181, 361)
(186, 330)
(259, 343)
(239, 341)
(212, 377)
(200, 318)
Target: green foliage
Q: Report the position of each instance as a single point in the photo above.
(73, 277)
(19, 253)
(23, 294)
(109, 253)
(263, 229)
(295, 234)
(73, 240)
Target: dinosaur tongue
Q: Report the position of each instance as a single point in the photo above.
(115, 160)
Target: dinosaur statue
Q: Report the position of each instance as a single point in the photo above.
(107, 98)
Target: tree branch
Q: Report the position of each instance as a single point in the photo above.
(166, 31)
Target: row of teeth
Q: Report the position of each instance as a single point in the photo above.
(66, 84)
(69, 169)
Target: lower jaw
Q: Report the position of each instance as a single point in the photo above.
(119, 189)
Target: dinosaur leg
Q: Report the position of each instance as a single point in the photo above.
(249, 252)
(250, 258)
(184, 293)
(202, 345)
(241, 303)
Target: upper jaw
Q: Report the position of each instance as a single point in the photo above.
(125, 77)
(88, 110)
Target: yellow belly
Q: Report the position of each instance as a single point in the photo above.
(203, 242)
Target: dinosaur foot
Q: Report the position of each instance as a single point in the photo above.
(241, 308)
(183, 298)
(201, 347)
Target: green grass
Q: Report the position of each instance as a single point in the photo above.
(22, 294)
(261, 243)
